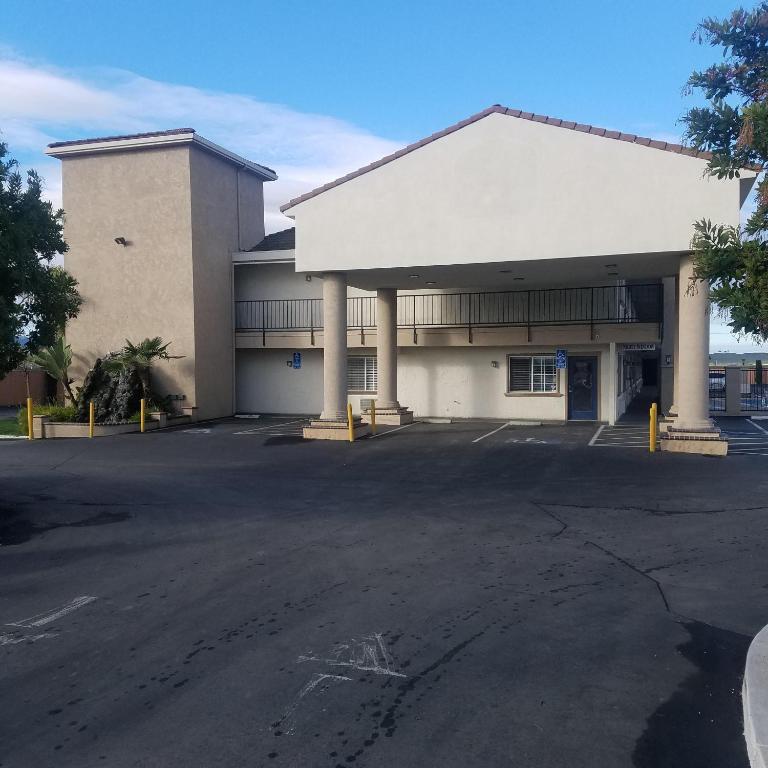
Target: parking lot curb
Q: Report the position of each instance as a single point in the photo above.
(755, 700)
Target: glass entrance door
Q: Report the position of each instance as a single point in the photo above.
(582, 388)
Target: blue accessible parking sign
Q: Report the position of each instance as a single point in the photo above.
(297, 359)
(561, 358)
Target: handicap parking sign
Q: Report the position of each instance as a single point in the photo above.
(561, 358)
(297, 359)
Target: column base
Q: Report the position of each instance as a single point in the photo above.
(666, 422)
(335, 429)
(389, 416)
(706, 441)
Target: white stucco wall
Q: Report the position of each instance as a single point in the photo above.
(506, 189)
(448, 382)
(461, 383)
(279, 281)
(265, 383)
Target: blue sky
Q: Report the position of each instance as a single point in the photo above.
(317, 88)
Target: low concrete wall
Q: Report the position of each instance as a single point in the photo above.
(44, 429)
(755, 700)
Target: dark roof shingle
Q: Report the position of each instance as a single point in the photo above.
(285, 240)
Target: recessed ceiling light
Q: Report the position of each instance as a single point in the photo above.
(504, 271)
(610, 266)
(414, 276)
(430, 282)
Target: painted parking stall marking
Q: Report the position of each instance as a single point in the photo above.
(492, 432)
(630, 435)
(746, 438)
(277, 428)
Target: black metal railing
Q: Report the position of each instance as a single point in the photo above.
(716, 389)
(546, 306)
(754, 390)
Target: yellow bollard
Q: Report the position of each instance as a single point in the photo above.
(652, 428)
(373, 416)
(91, 418)
(143, 413)
(350, 423)
(30, 423)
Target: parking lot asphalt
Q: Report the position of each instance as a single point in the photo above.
(228, 594)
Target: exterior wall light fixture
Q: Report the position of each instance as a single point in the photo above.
(121, 241)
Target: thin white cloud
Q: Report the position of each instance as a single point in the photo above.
(42, 104)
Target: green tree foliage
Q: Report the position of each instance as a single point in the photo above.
(35, 298)
(734, 128)
(141, 356)
(55, 361)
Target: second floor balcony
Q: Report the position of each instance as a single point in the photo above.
(591, 305)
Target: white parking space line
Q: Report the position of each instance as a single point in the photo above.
(597, 434)
(620, 436)
(277, 425)
(492, 432)
(757, 426)
(39, 619)
(390, 431)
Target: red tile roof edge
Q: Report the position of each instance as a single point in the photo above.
(497, 108)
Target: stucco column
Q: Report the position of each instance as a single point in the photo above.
(692, 371)
(386, 348)
(334, 346)
(676, 352)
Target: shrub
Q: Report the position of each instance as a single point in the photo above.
(56, 412)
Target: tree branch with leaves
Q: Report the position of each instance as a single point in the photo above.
(36, 297)
(734, 129)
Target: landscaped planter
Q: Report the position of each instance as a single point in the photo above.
(44, 428)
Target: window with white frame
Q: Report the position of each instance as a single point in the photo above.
(534, 373)
(361, 373)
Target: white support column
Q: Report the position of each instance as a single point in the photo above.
(613, 370)
(386, 348)
(676, 353)
(332, 424)
(693, 350)
(388, 408)
(334, 347)
(693, 430)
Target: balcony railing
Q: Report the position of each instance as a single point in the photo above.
(547, 306)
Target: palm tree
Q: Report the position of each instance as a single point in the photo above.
(55, 361)
(140, 357)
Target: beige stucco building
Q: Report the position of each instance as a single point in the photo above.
(511, 266)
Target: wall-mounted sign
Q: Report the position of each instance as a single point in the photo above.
(561, 358)
(297, 359)
(639, 347)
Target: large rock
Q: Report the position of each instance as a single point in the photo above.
(116, 395)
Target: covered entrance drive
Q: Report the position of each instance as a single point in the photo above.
(468, 212)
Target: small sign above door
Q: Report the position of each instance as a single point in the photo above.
(639, 347)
